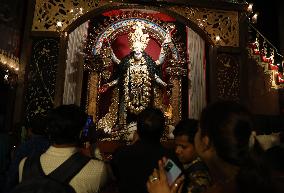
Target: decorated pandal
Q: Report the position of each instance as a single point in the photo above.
(115, 58)
(136, 72)
(139, 62)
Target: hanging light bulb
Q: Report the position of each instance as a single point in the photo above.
(254, 18)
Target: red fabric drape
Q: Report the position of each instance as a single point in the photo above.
(121, 48)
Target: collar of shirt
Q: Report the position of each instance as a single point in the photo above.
(62, 151)
(186, 166)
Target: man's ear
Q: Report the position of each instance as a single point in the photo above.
(206, 142)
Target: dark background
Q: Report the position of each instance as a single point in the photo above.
(270, 19)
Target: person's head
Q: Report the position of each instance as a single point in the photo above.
(150, 124)
(225, 129)
(65, 124)
(37, 124)
(131, 118)
(184, 134)
(137, 54)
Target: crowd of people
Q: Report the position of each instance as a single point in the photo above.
(214, 155)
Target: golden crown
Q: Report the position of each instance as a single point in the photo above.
(138, 40)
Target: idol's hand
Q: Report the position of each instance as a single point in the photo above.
(94, 51)
(168, 39)
(170, 85)
(104, 88)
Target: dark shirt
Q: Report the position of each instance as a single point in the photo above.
(132, 165)
(37, 144)
(197, 178)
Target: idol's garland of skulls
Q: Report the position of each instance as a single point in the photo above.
(138, 69)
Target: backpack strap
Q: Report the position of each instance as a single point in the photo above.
(68, 169)
(32, 168)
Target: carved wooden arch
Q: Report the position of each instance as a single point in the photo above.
(92, 93)
(207, 22)
(108, 120)
(171, 11)
(98, 11)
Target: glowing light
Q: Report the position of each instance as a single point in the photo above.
(59, 24)
(218, 38)
(254, 18)
(249, 9)
(9, 60)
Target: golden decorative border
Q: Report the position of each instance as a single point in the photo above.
(214, 22)
(109, 120)
(48, 12)
(92, 95)
(176, 101)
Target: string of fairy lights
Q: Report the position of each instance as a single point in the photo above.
(259, 44)
(10, 65)
(264, 52)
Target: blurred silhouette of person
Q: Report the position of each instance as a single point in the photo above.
(134, 163)
(65, 123)
(274, 157)
(37, 143)
(222, 141)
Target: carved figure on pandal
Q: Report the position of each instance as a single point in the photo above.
(138, 75)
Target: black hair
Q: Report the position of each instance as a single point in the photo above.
(131, 117)
(65, 124)
(37, 124)
(186, 127)
(150, 124)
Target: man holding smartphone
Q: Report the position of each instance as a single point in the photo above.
(196, 173)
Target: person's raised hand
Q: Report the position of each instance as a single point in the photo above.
(158, 183)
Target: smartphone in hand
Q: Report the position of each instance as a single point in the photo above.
(172, 171)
